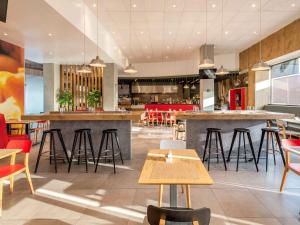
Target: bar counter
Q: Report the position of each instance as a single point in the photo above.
(68, 122)
(198, 122)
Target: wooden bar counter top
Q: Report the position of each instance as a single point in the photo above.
(233, 115)
(84, 116)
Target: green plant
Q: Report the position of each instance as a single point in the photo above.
(93, 98)
(64, 98)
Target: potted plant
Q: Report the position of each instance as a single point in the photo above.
(93, 99)
(65, 100)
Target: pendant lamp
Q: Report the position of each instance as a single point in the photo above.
(97, 62)
(261, 65)
(207, 63)
(130, 68)
(222, 70)
(84, 68)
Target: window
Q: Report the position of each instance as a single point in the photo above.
(286, 83)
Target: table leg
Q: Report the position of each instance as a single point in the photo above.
(173, 195)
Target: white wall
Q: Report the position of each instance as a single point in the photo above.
(183, 67)
(34, 94)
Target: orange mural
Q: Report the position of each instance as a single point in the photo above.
(11, 80)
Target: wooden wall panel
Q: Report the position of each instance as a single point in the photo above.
(80, 84)
(279, 43)
(292, 37)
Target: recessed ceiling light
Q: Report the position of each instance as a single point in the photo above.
(94, 5)
(253, 5)
(146, 47)
(198, 32)
(77, 4)
(168, 46)
(50, 34)
(214, 5)
(174, 6)
(113, 32)
(134, 5)
(189, 47)
(82, 53)
(170, 32)
(293, 4)
(254, 32)
(5, 34)
(50, 53)
(226, 32)
(142, 32)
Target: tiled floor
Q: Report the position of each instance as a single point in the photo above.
(237, 198)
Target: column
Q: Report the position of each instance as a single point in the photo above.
(207, 94)
(51, 73)
(110, 87)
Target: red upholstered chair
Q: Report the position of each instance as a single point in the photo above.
(287, 145)
(4, 137)
(9, 171)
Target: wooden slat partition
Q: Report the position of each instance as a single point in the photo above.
(80, 84)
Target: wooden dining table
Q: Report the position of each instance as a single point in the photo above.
(184, 168)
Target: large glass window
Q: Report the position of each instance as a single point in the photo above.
(286, 83)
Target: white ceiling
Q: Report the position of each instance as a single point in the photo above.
(163, 31)
(160, 30)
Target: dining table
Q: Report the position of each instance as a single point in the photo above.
(174, 167)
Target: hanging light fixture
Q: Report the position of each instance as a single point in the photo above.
(97, 62)
(261, 65)
(130, 68)
(193, 87)
(84, 68)
(222, 70)
(186, 86)
(207, 63)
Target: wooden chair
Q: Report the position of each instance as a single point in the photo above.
(159, 216)
(288, 145)
(286, 133)
(174, 145)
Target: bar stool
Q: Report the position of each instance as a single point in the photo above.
(53, 153)
(271, 132)
(82, 133)
(242, 131)
(217, 132)
(109, 153)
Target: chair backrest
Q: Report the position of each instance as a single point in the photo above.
(3, 132)
(180, 215)
(172, 144)
(25, 145)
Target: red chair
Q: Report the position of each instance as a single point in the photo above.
(287, 145)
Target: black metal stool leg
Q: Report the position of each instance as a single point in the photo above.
(113, 152)
(260, 145)
(85, 152)
(91, 146)
(79, 149)
(238, 156)
(118, 144)
(267, 152)
(99, 153)
(217, 149)
(51, 148)
(205, 148)
(279, 146)
(40, 152)
(273, 148)
(252, 150)
(209, 149)
(63, 145)
(54, 152)
(222, 150)
(73, 151)
(106, 146)
(231, 146)
(245, 150)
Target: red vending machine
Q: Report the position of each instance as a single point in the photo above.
(237, 98)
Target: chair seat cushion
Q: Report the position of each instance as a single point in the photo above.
(10, 169)
(18, 137)
(295, 167)
(25, 145)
